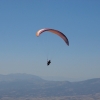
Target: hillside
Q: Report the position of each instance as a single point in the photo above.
(25, 85)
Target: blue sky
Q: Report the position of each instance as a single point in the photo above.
(22, 52)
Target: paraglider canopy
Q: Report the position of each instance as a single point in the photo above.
(55, 32)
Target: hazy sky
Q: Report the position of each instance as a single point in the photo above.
(22, 52)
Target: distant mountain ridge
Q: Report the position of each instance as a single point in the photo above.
(23, 85)
(19, 76)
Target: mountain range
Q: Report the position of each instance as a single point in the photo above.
(26, 85)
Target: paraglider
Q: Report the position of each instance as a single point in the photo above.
(60, 34)
(48, 62)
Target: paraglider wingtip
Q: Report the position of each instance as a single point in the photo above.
(68, 44)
